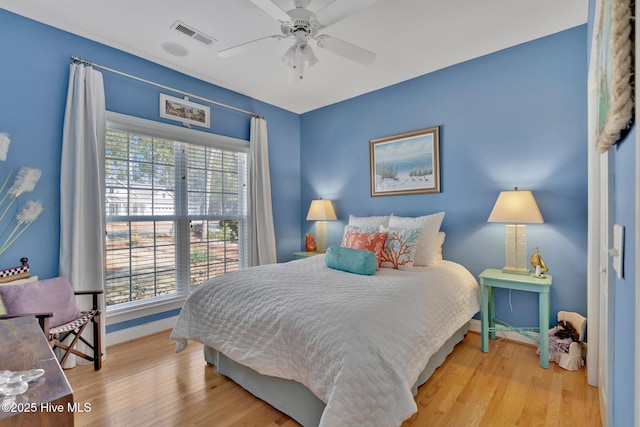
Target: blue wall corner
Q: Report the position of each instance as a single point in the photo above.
(517, 117)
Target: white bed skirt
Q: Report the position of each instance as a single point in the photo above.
(293, 398)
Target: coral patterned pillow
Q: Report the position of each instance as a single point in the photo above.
(358, 229)
(427, 247)
(400, 248)
(373, 242)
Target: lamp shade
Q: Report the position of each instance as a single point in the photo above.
(516, 207)
(321, 210)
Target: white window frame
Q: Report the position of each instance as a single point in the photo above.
(165, 131)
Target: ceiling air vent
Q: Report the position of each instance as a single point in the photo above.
(193, 33)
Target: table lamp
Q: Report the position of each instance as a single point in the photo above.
(517, 208)
(321, 211)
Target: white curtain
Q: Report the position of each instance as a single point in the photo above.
(82, 213)
(262, 243)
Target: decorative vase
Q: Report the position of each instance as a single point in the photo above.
(310, 243)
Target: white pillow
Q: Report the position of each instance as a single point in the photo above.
(369, 221)
(441, 237)
(426, 251)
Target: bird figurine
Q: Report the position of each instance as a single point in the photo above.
(538, 263)
(310, 243)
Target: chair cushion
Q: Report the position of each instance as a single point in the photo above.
(3, 310)
(52, 295)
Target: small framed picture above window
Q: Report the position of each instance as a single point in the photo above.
(184, 111)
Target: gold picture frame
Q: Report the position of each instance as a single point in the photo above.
(406, 163)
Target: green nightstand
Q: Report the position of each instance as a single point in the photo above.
(305, 254)
(494, 278)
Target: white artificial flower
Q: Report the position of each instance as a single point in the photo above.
(4, 145)
(29, 213)
(25, 181)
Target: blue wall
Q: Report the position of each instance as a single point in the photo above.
(33, 85)
(514, 118)
(625, 336)
(625, 288)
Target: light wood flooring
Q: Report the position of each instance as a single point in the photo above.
(144, 383)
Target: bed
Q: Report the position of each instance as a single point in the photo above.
(329, 347)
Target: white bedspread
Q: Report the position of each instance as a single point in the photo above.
(357, 342)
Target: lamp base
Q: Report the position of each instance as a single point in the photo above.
(521, 271)
(516, 245)
(321, 235)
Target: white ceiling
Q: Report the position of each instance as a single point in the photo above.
(409, 37)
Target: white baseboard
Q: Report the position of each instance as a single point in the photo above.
(141, 331)
(474, 325)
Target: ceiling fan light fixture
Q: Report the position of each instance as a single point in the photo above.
(301, 25)
(303, 57)
(289, 57)
(298, 57)
(306, 54)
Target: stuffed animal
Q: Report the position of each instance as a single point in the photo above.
(565, 341)
(566, 330)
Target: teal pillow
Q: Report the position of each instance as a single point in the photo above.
(356, 261)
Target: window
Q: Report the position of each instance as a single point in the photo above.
(176, 209)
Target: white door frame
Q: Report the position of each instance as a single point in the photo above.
(600, 287)
(593, 266)
(600, 284)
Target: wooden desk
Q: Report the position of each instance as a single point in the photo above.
(49, 400)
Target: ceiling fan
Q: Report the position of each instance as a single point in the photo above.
(302, 25)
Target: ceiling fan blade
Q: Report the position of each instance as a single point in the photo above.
(346, 49)
(272, 9)
(244, 47)
(338, 10)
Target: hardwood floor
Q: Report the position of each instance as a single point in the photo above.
(145, 383)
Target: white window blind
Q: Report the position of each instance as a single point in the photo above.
(176, 204)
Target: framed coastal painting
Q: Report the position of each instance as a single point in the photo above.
(407, 163)
(612, 70)
(184, 111)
